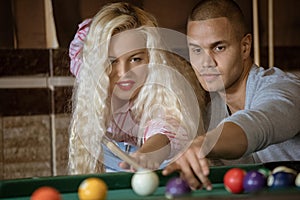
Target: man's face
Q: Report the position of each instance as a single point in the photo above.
(215, 53)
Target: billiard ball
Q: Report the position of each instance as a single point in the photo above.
(297, 180)
(233, 180)
(176, 187)
(254, 181)
(281, 180)
(265, 171)
(284, 169)
(144, 183)
(45, 193)
(92, 189)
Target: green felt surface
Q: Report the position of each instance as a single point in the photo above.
(119, 185)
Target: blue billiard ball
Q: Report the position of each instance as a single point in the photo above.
(281, 180)
(254, 181)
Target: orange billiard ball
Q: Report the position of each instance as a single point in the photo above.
(92, 189)
(45, 193)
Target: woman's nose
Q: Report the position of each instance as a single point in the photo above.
(122, 68)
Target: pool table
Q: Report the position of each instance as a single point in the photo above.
(120, 187)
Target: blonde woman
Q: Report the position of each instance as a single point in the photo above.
(131, 89)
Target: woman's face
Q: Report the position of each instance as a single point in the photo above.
(129, 58)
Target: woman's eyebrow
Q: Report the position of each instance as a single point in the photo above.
(134, 53)
(137, 53)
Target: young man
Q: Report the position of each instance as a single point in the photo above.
(259, 120)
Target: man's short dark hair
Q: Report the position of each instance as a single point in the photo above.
(209, 9)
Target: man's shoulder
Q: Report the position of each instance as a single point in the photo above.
(271, 82)
(273, 75)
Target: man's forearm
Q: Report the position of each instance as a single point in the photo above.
(227, 141)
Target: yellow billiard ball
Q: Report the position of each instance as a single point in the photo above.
(92, 189)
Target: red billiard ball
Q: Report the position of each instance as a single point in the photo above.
(281, 180)
(45, 193)
(176, 187)
(92, 189)
(233, 180)
(254, 181)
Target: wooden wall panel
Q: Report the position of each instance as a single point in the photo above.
(30, 23)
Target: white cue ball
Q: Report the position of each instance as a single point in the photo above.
(144, 183)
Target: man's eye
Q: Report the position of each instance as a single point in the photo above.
(220, 48)
(196, 50)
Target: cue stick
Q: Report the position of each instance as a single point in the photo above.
(255, 33)
(271, 44)
(14, 25)
(122, 155)
(51, 38)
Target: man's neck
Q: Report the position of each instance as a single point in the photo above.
(236, 95)
(236, 101)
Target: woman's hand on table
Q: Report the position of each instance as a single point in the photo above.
(152, 153)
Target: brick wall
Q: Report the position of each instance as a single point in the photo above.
(35, 92)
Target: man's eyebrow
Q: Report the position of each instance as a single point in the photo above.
(211, 45)
(193, 45)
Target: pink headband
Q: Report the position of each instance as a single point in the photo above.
(76, 45)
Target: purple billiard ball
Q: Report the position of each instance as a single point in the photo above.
(176, 187)
(254, 181)
(281, 180)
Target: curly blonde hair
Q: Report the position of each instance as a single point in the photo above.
(91, 112)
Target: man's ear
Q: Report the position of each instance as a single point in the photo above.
(246, 45)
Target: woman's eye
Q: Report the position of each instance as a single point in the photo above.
(136, 59)
(113, 61)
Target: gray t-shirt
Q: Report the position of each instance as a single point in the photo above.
(270, 119)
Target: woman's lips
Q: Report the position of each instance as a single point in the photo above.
(126, 85)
